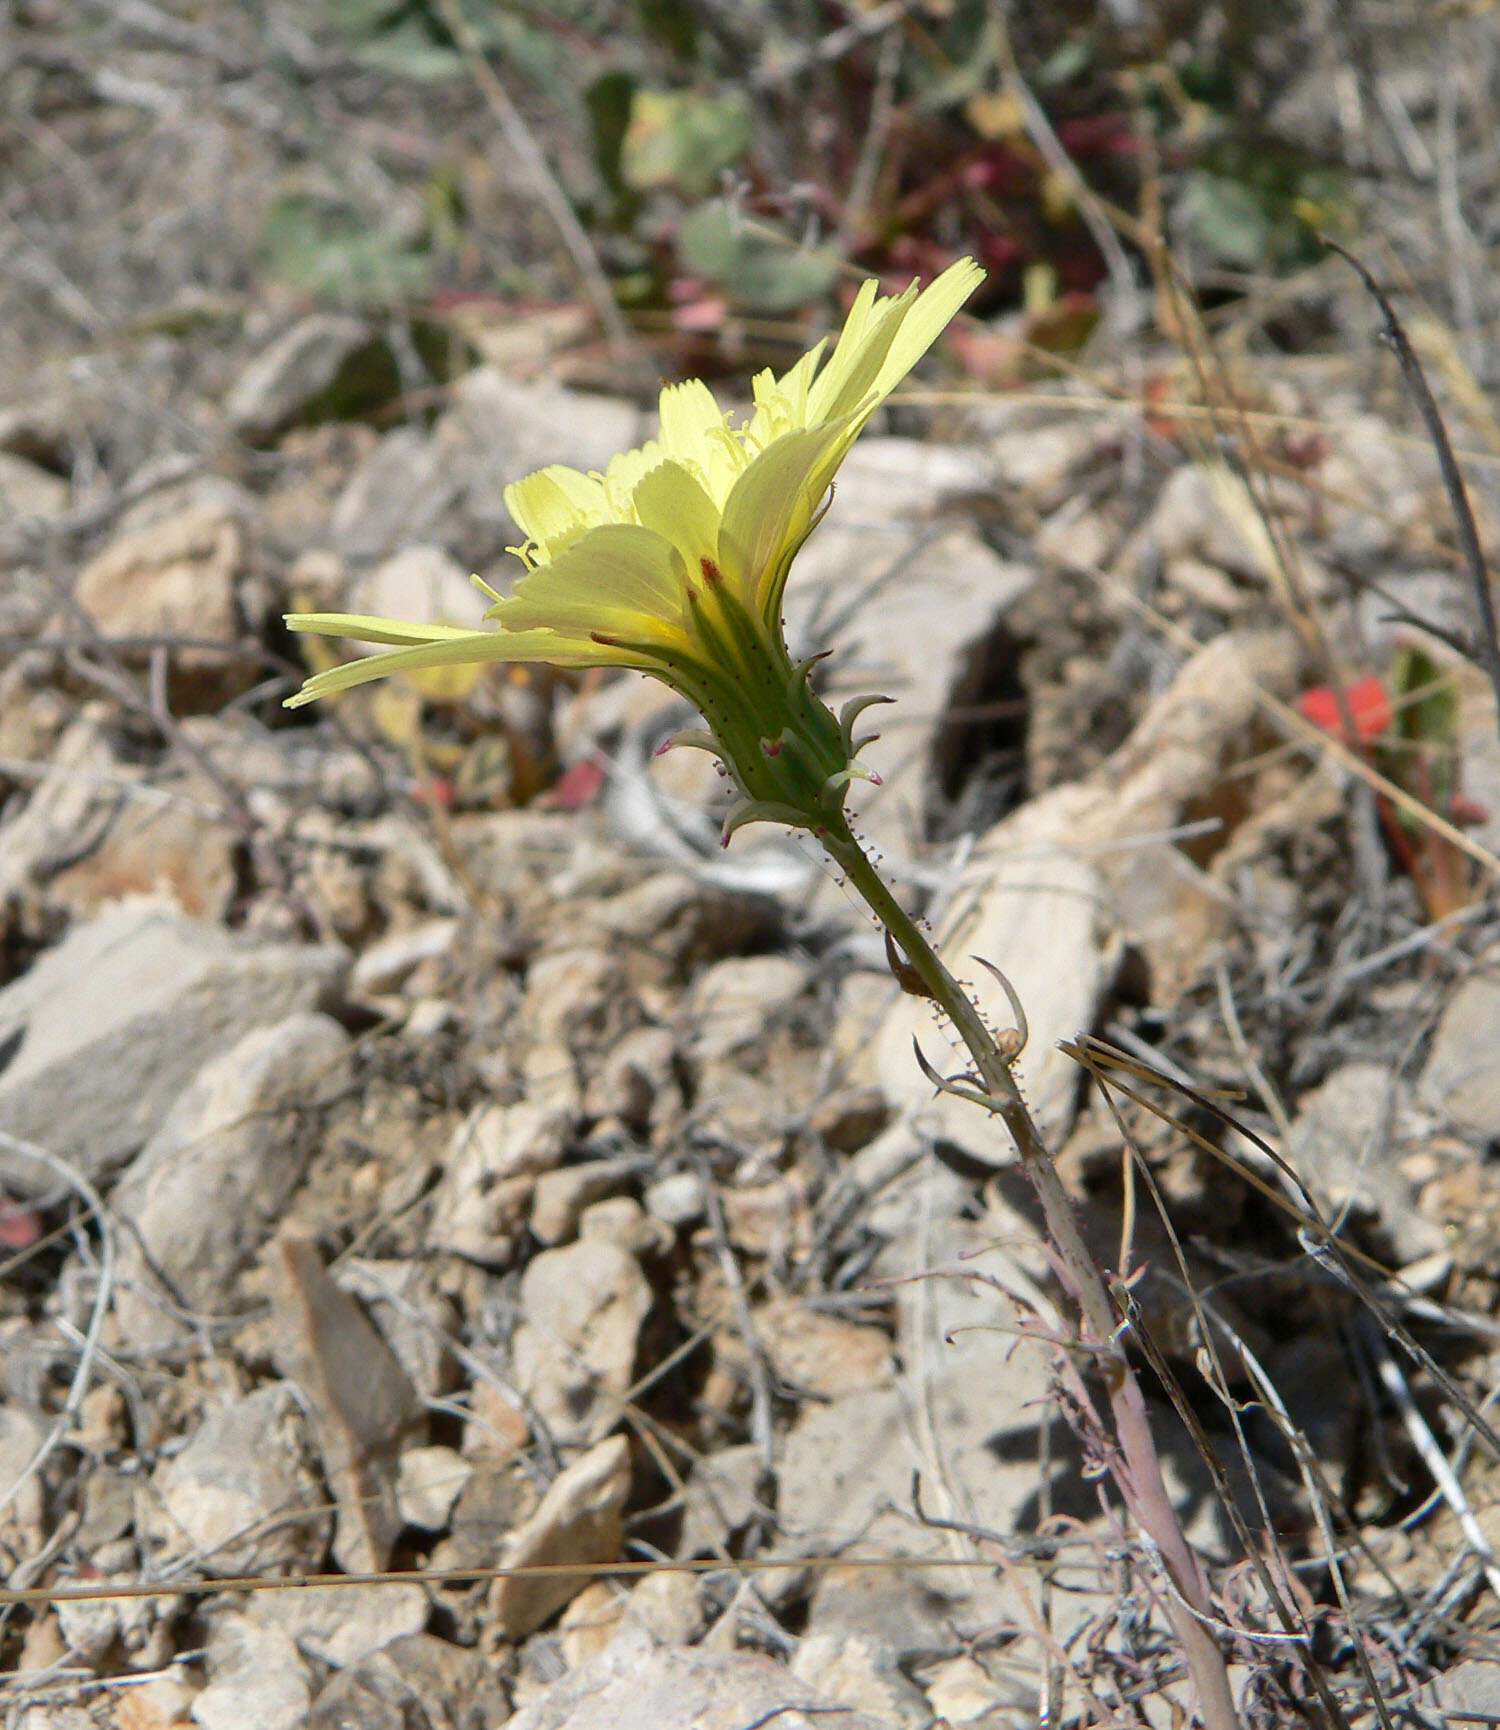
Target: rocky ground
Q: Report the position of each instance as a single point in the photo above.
(425, 1149)
(424, 1152)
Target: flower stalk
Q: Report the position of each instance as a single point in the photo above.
(1137, 1471)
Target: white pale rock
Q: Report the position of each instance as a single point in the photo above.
(887, 479)
(175, 577)
(824, 1356)
(23, 1431)
(483, 1199)
(917, 628)
(1347, 1141)
(389, 961)
(342, 1625)
(964, 1417)
(561, 1196)
(582, 1307)
(258, 1679)
(112, 1024)
(1461, 1077)
(299, 366)
(725, 1491)
(676, 1200)
(1470, 1690)
(421, 583)
(242, 1496)
(69, 810)
(861, 1671)
(533, 423)
(428, 1483)
(579, 1520)
(1038, 455)
(669, 1606)
(634, 1685)
(734, 1004)
(27, 490)
(207, 1190)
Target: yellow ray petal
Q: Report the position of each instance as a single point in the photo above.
(925, 321)
(474, 647)
(773, 504)
(689, 415)
(555, 505)
(891, 338)
(847, 352)
(620, 580)
(672, 503)
(366, 628)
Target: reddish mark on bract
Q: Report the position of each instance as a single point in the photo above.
(711, 572)
(437, 791)
(771, 747)
(1368, 704)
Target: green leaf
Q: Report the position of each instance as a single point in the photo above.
(763, 269)
(1228, 218)
(681, 140)
(1433, 717)
(408, 50)
(332, 251)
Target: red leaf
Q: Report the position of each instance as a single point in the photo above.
(20, 1225)
(576, 785)
(1368, 704)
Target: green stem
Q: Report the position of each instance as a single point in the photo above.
(1138, 1472)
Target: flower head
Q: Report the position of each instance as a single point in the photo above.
(674, 559)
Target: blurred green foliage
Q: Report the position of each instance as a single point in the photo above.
(711, 147)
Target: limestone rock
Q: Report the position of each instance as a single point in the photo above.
(421, 583)
(1037, 915)
(428, 1482)
(258, 1680)
(733, 1003)
(1347, 1141)
(175, 577)
(483, 1200)
(27, 490)
(574, 1351)
(822, 1355)
(110, 1025)
(579, 1520)
(343, 1625)
(413, 1680)
(325, 367)
(242, 1497)
(561, 1196)
(206, 1191)
(637, 1686)
(1461, 1077)
(391, 960)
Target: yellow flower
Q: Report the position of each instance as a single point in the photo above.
(674, 560)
